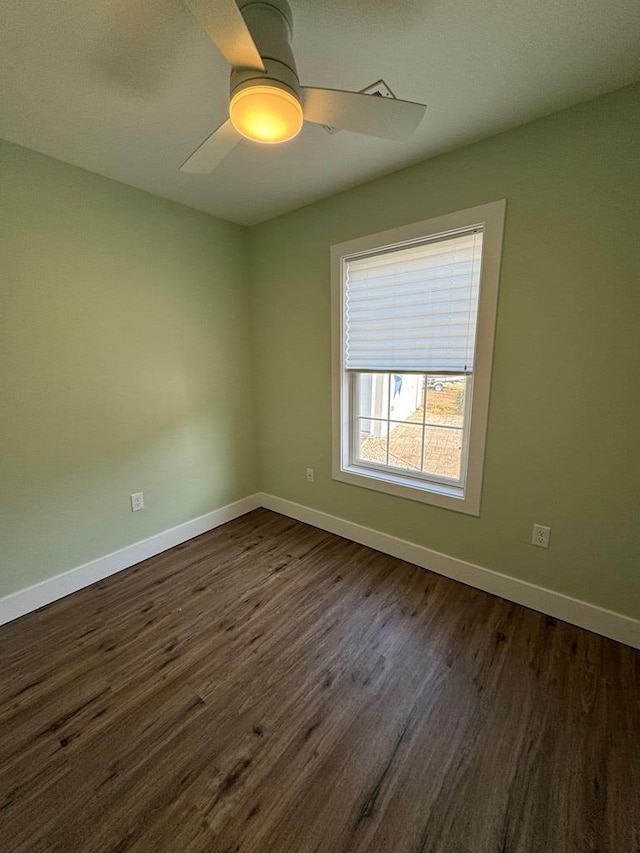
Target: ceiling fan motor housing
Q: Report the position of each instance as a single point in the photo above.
(271, 26)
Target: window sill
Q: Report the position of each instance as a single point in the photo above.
(436, 494)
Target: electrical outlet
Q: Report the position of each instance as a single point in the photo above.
(137, 501)
(540, 536)
(309, 475)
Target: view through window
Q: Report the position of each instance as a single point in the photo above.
(413, 422)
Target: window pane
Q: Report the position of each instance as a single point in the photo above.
(446, 396)
(373, 395)
(442, 451)
(407, 397)
(393, 428)
(405, 444)
(371, 440)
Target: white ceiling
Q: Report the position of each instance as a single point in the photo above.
(128, 88)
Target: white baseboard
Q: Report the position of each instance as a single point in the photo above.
(581, 613)
(33, 597)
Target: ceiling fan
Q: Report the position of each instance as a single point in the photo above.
(267, 102)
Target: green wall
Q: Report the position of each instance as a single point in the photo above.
(126, 366)
(562, 446)
(130, 326)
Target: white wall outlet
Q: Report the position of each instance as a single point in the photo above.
(309, 475)
(137, 501)
(540, 536)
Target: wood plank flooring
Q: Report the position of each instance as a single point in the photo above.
(272, 688)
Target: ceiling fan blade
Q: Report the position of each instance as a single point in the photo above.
(213, 150)
(373, 115)
(225, 26)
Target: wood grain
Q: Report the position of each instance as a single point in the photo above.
(272, 687)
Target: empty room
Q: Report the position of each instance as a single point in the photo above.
(320, 529)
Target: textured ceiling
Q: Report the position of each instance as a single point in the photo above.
(129, 89)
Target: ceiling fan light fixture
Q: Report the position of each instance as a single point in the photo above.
(266, 113)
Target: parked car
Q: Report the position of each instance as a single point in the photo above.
(439, 382)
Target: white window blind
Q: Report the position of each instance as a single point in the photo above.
(414, 308)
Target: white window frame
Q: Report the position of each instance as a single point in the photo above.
(462, 498)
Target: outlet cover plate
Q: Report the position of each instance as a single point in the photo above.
(540, 536)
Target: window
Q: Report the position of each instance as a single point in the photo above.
(413, 321)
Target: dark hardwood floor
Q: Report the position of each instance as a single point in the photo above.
(271, 688)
